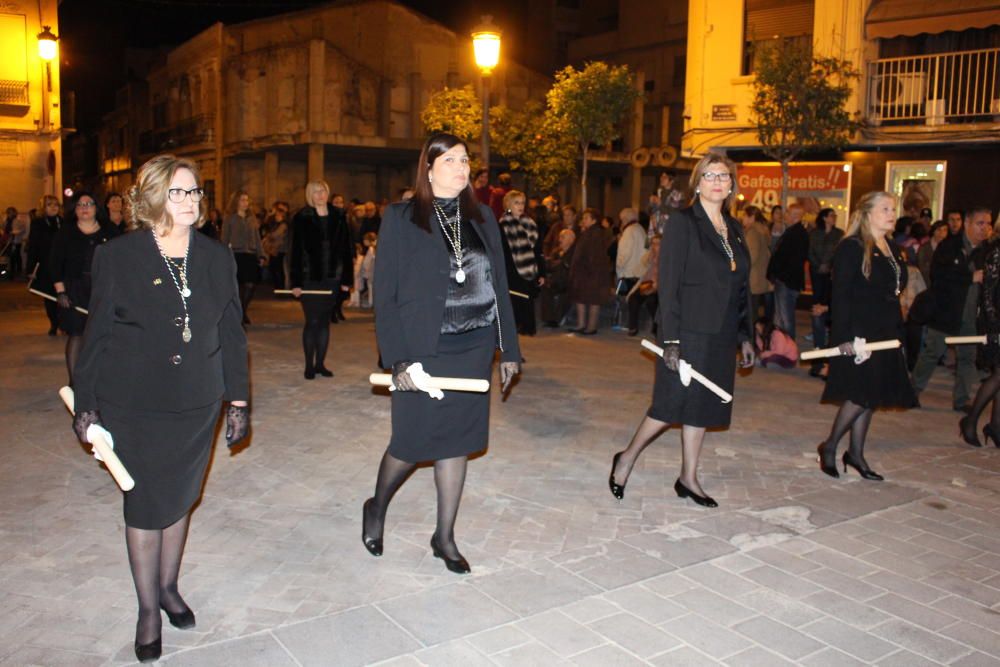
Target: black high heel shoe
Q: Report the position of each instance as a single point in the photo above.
(969, 436)
(830, 470)
(183, 619)
(373, 545)
(324, 371)
(684, 492)
(149, 652)
(617, 490)
(867, 473)
(458, 565)
(990, 434)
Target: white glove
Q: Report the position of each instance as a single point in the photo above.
(861, 353)
(96, 430)
(421, 379)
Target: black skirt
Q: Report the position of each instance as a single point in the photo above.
(247, 267)
(167, 454)
(880, 382)
(72, 321)
(714, 356)
(425, 429)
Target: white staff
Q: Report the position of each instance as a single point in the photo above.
(325, 292)
(102, 449)
(964, 340)
(687, 373)
(52, 298)
(860, 348)
(444, 383)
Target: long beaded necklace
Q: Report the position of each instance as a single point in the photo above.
(452, 229)
(895, 268)
(182, 285)
(725, 246)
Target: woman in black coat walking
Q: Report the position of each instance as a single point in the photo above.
(41, 233)
(869, 274)
(322, 259)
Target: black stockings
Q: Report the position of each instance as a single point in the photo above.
(449, 477)
(246, 295)
(155, 559)
(692, 438)
(73, 345)
(856, 419)
(987, 392)
(316, 332)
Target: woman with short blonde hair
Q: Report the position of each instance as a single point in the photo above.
(162, 350)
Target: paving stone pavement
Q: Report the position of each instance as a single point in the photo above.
(792, 568)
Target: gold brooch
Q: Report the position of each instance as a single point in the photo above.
(157, 281)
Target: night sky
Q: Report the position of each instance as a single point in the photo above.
(94, 36)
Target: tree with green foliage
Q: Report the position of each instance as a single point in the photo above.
(532, 141)
(454, 110)
(590, 105)
(799, 103)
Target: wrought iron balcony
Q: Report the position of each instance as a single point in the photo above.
(946, 88)
(14, 93)
(189, 132)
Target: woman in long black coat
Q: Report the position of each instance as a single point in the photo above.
(869, 274)
(322, 259)
(41, 233)
(705, 314)
(69, 267)
(441, 301)
(163, 349)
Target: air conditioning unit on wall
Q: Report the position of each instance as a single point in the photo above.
(898, 96)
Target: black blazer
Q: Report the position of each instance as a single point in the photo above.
(411, 286)
(789, 257)
(306, 263)
(694, 276)
(133, 355)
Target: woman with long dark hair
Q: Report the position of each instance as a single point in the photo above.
(241, 232)
(323, 260)
(823, 240)
(869, 274)
(704, 291)
(69, 266)
(441, 308)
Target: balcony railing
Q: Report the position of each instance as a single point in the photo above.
(188, 132)
(14, 93)
(960, 87)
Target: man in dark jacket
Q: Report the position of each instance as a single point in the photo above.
(787, 269)
(955, 283)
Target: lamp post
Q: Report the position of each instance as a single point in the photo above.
(486, 47)
(48, 49)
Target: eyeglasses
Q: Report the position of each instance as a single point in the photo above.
(718, 177)
(85, 204)
(176, 195)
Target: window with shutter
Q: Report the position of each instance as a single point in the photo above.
(764, 20)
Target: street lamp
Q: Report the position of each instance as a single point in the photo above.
(486, 47)
(47, 47)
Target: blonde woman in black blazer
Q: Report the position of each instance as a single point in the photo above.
(705, 314)
(441, 299)
(162, 350)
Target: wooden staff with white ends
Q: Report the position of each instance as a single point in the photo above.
(111, 460)
(965, 340)
(52, 298)
(443, 383)
(324, 292)
(688, 373)
(874, 346)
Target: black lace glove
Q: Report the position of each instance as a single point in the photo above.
(401, 379)
(508, 369)
(63, 300)
(82, 421)
(237, 423)
(747, 354)
(672, 356)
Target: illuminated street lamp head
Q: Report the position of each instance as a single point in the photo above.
(47, 49)
(486, 45)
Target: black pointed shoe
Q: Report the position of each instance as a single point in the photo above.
(865, 471)
(617, 490)
(149, 652)
(684, 492)
(458, 565)
(182, 620)
(830, 470)
(373, 545)
(967, 431)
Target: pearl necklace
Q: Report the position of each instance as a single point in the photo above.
(182, 287)
(454, 236)
(895, 268)
(725, 245)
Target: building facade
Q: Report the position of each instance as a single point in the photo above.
(330, 93)
(928, 94)
(30, 114)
